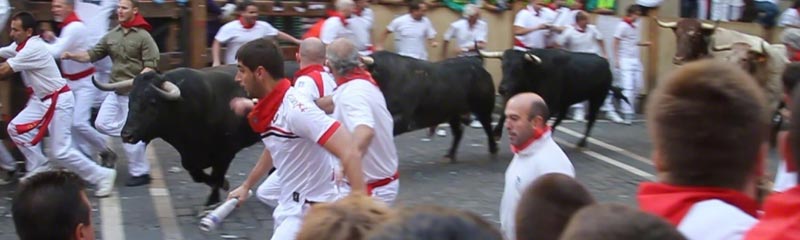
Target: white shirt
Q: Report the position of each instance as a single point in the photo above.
(789, 17)
(71, 39)
(464, 35)
(295, 142)
(234, 35)
(333, 29)
(410, 36)
(542, 157)
(526, 18)
(715, 220)
(629, 39)
(36, 65)
(584, 42)
(358, 102)
(95, 15)
(307, 85)
(362, 28)
(565, 17)
(649, 3)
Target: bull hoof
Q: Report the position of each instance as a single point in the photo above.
(226, 185)
(582, 144)
(449, 159)
(494, 150)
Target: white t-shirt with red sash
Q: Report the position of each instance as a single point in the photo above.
(706, 213)
(294, 129)
(629, 34)
(538, 156)
(72, 39)
(530, 17)
(234, 34)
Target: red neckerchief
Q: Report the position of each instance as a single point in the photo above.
(137, 21)
(22, 45)
(537, 134)
(553, 6)
(786, 152)
(260, 118)
(245, 24)
(339, 15)
(673, 202)
(357, 73)
(579, 29)
(629, 21)
(780, 219)
(306, 70)
(69, 19)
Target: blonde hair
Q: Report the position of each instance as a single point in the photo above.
(350, 218)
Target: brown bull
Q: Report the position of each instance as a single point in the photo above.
(693, 39)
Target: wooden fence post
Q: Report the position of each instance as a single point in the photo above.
(197, 42)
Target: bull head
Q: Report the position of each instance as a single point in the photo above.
(490, 54)
(112, 86)
(168, 91)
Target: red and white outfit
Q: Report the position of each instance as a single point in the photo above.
(539, 156)
(79, 75)
(529, 17)
(355, 28)
(564, 17)
(95, 16)
(781, 219)
(234, 34)
(361, 24)
(630, 67)
(312, 81)
(465, 35)
(700, 213)
(411, 36)
(293, 130)
(51, 115)
(359, 102)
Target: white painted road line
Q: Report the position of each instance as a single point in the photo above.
(161, 201)
(601, 157)
(606, 146)
(111, 216)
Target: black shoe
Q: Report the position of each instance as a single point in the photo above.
(7, 176)
(138, 181)
(108, 158)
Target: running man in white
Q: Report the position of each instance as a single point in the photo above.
(412, 33)
(234, 34)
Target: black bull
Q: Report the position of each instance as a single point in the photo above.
(189, 109)
(561, 78)
(420, 94)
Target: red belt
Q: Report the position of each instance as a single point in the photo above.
(382, 182)
(519, 43)
(80, 75)
(45, 121)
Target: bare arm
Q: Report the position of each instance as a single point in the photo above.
(616, 52)
(5, 70)
(379, 43)
(340, 145)
(325, 103)
(288, 38)
(77, 56)
(602, 48)
(263, 165)
(522, 31)
(215, 49)
(362, 137)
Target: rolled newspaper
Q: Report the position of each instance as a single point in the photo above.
(213, 219)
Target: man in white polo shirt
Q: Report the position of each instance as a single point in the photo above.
(467, 32)
(234, 34)
(627, 40)
(362, 20)
(298, 136)
(532, 25)
(412, 32)
(53, 114)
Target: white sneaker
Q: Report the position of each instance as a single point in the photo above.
(613, 116)
(628, 119)
(475, 124)
(441, 133)
(578, 115)
(106, 184)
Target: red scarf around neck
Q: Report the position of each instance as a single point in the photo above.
(537, 134)
(339, 15)
(260, 118)
(629, 21)
(308, 69)
(673, 202)
(69, 19)
(245, 24)
(358, 73)
(137, 21)
(22, 45)
(553, 6)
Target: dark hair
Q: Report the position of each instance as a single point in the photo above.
(547, 205)
(415, 5)
(134, 3)
(633, 8)
(244, 4)
(434, 222)
(539, 108)
(708, 119)
(50, 205)
(262, 53)
(613, 221)
(791, 75)
(580, 16)
(28, 21)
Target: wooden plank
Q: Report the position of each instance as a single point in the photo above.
(197, 46)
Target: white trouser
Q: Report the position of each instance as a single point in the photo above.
(102, 74)
(6, 160)
(32, 163)
(287, 226)
(270, 190)
(720, 10)
(87, 139)
(110, 121)
(60, 141)
(630, 80)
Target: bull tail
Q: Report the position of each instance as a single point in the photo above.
(617, 93)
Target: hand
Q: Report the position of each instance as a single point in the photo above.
(241, 105)
(48, 36)
(434, 44)
(241, 192)
(66, 55)
(377, 48)
(647, 44)
(542, 26)
(215, 63)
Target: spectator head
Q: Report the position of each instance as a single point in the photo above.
(248, 11)
(126, 10)
(547, 205)
(791, 75)
(417, 9)
(795, 128)
(23, 26)
(708, 122)
(345, 7)
(52, 205)
(61, 9)
(260, 64)
(611, 221)
(350, 218)
(433, 222)
(362, 4)
(526, 116)
(634, 11)
(471, 13)
(582, 19)
(312, 51)
(342, 57)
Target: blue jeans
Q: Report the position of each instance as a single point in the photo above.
(770, 11)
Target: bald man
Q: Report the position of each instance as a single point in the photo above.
(535, 153)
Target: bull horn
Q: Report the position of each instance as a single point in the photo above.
(708, 26)
(666, 24)
(168, 90)
(368, 60)
(533, 58)
(763, 49)
(491, 54)
(721, 48)
(112, 86)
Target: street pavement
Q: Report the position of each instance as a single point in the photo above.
(611, 167)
